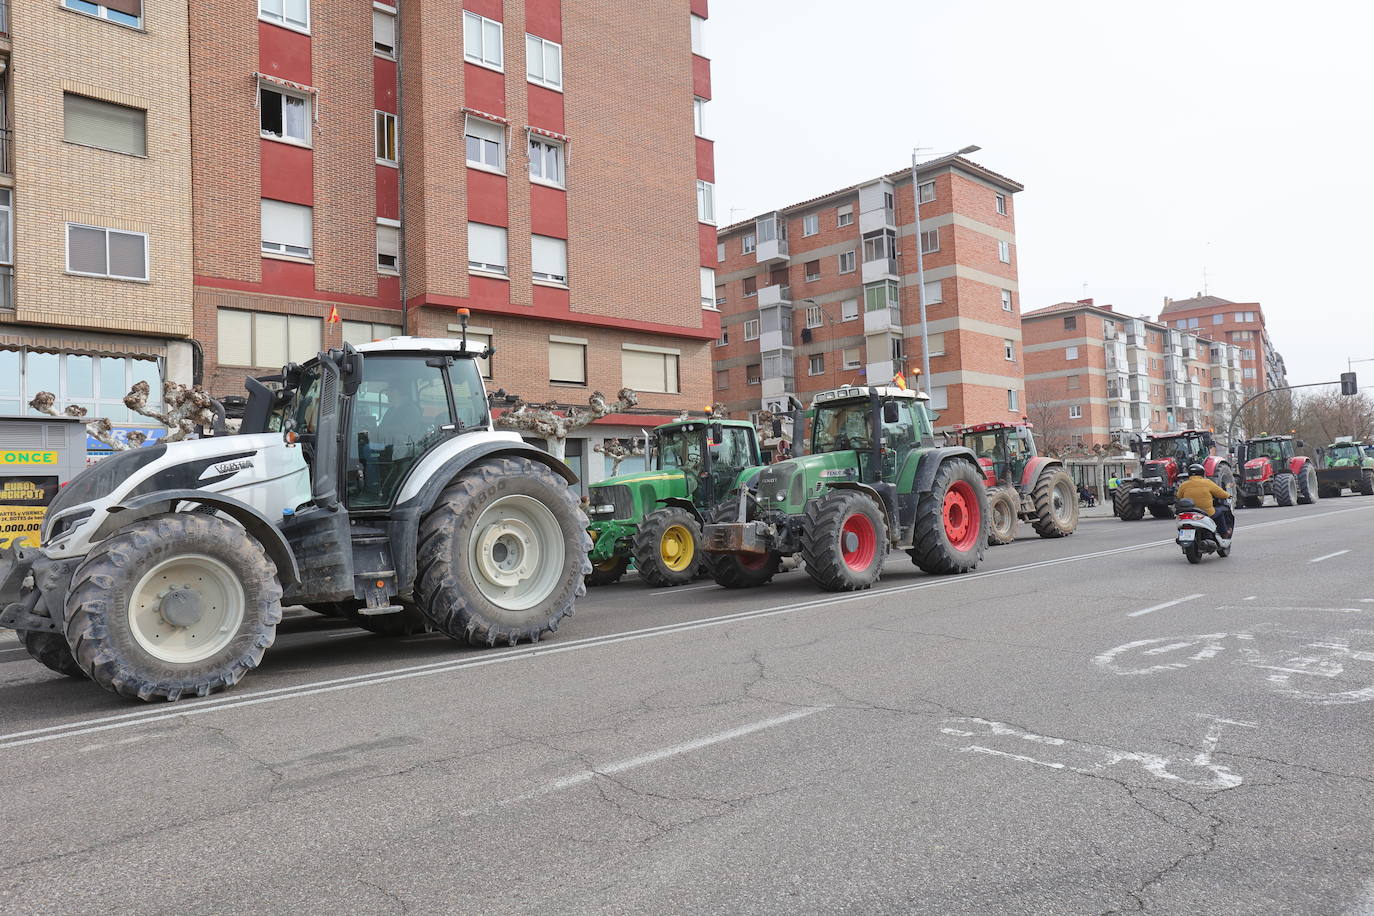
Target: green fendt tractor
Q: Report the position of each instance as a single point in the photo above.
(1345, 465)
(655, 517)
(872, 479)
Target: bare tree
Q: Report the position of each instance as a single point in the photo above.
(184, 409)
(1053, 434)
(620, 449)
(546, 421)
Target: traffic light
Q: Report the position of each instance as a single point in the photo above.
(1348, 385)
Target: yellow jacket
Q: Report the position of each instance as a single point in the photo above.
(1201, 491)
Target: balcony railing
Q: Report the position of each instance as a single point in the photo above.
(6, 146)
(6, 288)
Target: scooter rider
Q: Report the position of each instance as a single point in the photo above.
(1202, 492)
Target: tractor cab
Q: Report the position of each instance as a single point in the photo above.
(1345, 454)
(1003, 449)
(882, 425)
(710, 454)
(1170, 454)
(1266, 456)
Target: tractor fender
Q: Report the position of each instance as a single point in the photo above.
(678, 502)
(932, 459)
(1212, 464)
(455, 464)
(1298, 464)
(1035, 467)
(253, 521)
(893, 532)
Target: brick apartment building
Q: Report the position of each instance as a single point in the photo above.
(576, 224)
(825, 293)
(95, 201)
(1240, 323)
(1095, 376)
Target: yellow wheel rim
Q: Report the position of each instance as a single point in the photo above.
(677, 548)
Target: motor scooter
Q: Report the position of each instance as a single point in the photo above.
(1197, 531)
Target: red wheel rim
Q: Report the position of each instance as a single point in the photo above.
(858, 533)
(962, 522)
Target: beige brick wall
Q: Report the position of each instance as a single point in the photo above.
(55, 49)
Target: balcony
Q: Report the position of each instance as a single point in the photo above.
(770, 233)
(882, 321)
(880, 269)
(774, 295)
(876, 203)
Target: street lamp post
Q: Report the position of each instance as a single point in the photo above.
(920, 256)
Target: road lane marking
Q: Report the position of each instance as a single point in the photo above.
(680, 589)
(1327, 556)
(1160, 607)
(1249, 598)
(390, 675)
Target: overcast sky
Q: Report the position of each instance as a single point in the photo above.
(1153, 140)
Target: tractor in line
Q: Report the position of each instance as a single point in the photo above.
(1345, 465)
(1271, 467)
(1164, 466)
(1021, 483)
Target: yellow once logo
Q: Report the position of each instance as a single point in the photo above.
(16, 457)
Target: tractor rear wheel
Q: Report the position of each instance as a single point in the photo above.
(667, 547)
(502, 553)
(608, 572)
(1002, 516)
(1162, 511)
(1056, 504)
(50, 649)
(181, 604)
(1308, 491)
(1367, 482)
(951, 520)
(845, 541)
(1124, 508)
(1285, 490)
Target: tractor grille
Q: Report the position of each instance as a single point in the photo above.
(617, 497)
(1254, 473)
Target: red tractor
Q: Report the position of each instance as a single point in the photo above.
(1020, 483)
(1163, 467)
(1272, 468)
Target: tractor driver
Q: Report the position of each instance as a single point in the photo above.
(403, 420)
(1202, 492)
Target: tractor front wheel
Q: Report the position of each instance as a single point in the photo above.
(51, 650)
(1285, 490)
(951, 521)
(608, 572)
(502, 553)
(1056, 504)
(1002, 516)
(667, 547)
(1308, 491)
(181, 604)
(1126, 510)
(845, 541)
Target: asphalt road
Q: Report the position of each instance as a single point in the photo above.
(1087, 725)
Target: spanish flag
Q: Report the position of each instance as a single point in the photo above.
(334, 314)
(899, 380)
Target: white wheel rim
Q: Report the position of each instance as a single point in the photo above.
(516, 553)
(1002, 516)
(1063, 502)
(172, 636)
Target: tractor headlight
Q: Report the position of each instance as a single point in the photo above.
(781, 497)
(603, 509)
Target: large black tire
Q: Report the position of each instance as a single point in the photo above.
(1326, 492)
(608, 572)
(1308, 491)
(1162, 511)
(1056, 504)
(1225, 478)
(732, 571)
(50, 649)
(948, 538)
(408, 622)
(667, 547)
(1003, 508)
(1285, 490)
(462, 599)
(110, 638)
(1367, 482)
(1124, 508)
(845, 541)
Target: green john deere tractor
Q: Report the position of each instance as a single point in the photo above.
(872, 479)
(1345, 465)
(655, 517)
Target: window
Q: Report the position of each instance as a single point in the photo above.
(266, 339)
(708, 288)
(1076, 412)
(1247, 354)
(751, 286)
(898, 350)
(125, 12)
(811, 224)
(1070, 322)
(939, 398)
(813, 271)
(1244, 316)
(937, 344)
(846, 262)
(383, 32)
(283, 115)
(1006, 300)
(1071, 353)
(724, 339)
(1218, 318)
(722, 379)
(1009, 350)
(844, 216)
(751, 329)
(96, 252)
(849, 310)
(1073, 383)
(287, 229)
(880, 245)
(814, 316)
(930, 241)
(1004, 252)
(851, 357)
(361, 332)
(749, 244)
(706, 202)
(549, 259)
(1012, 399)
(649, 369)
(1249, 373)
(699, 115)
(698, 36)
(753, 374)
(294, 13)
(388, 246)
(568, 360)
(487, 248)
(544, 62)
(927, 192)
(1002, 204)
(815, 364)
(482, 41)
(486, 142)
(97, 383)
(384, 126)
(934, 292)
(105, 125)
(6, 236)
(546, 161)
(880, 295)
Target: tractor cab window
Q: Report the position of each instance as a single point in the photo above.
(1272, 448)
(1182, 448)
(469, 393)
(729, 457)
(399, 413)
(840, 427)
(898, 440)
(683, 449)
(991, 447)
(1349, 453)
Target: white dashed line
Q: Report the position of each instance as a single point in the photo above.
(1327, 556)
(1160, 607)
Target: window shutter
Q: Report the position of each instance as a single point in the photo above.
(103, 124)
(285, 224)
(383, 32)
(128, 255)
(487, 245)
(270, 346)
(235, 338)
(303, 338)
(567, 362)
(86, 250)
(550, 257)
(937, 344)
(388, 245)
(132, 7)
(708, 285)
